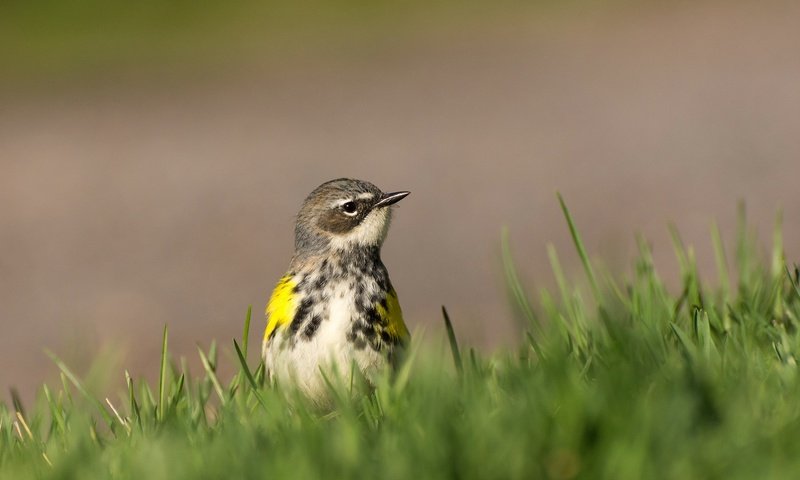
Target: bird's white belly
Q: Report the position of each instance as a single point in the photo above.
(328, 351)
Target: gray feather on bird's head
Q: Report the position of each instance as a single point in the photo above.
(343, 214)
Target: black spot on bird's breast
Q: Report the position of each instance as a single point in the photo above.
(373, 318)
(312, 326)
(321, 281)
(302, 312)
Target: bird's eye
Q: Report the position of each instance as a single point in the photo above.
(349, 208)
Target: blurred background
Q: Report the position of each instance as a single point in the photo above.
(153, 154)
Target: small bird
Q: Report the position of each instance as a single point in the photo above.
(335, 308)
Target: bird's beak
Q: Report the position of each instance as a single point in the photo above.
(387, 199)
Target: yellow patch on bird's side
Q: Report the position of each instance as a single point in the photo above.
(393, 316)
(282, 305)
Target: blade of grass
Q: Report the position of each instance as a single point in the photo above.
(744, 249)
(211, 375)
(133, 404)
(24, 424)
(212, 355)
(176, 396)
(571, 323)
(688, 266)
(246, 330)
(73, 379)
(576, 238)
(16, 401)
(778, 265)
(513, 282)
(237, 379)
(703, 332)
(248, 375)
(93, 434)
(778, 254)
(65, 387)
(793, 282)
(406, 367)
(148, 402)
(721, 261)
(55, 411)
(337, 397)
(561, 280)
(260, 373)
(451, 336)
(723, 272)
(118, 416)
(679, 247)
(162, 380)
(688, 347)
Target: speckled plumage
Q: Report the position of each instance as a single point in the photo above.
(335, 307)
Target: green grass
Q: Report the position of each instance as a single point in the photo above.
(620, 380)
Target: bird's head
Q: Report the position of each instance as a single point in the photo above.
(344, 214)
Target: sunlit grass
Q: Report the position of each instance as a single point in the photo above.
(623, 379)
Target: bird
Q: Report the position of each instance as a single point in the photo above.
(335, 311)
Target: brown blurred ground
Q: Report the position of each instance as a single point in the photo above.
(124, 207)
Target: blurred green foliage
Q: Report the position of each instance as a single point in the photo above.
(51, 37)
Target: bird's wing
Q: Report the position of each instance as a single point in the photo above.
(392, 317)
(282, 305)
